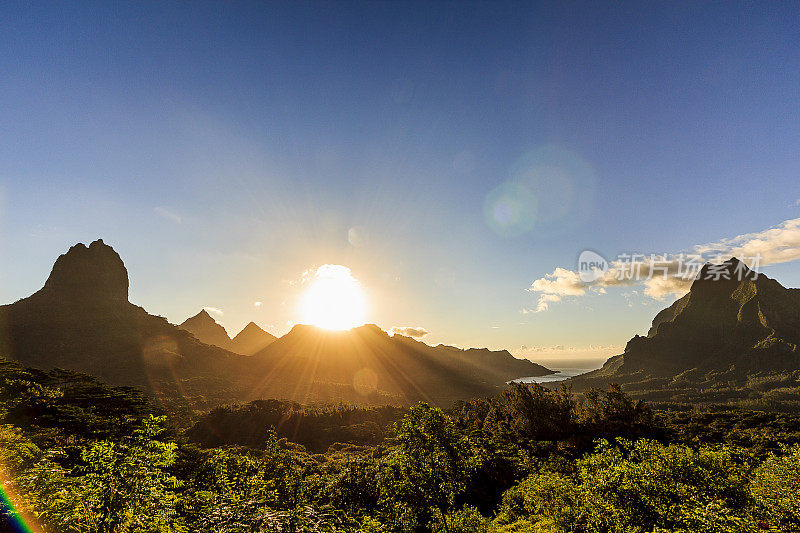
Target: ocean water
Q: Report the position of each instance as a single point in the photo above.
(560, 375)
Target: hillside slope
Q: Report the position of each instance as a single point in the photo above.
(725, 339)
(368, 365)
(82, 320)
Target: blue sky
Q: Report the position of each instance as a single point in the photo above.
(225, 148)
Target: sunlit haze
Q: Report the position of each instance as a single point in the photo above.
(333, 299)
(457, 157)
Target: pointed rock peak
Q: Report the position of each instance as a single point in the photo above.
(252, 326)
(206, 329)
(731, 270)
(93, 272)
(251, 339)
(201, 318)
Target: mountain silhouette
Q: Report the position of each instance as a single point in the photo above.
(207, 330)
(366, 364)
(82, 320)
(251, 340)
(247, 342)
(733, 329)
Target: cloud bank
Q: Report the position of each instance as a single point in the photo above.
(409, 331)
(667, 275)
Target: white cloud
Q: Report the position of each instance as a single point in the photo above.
(663, 276)
(169, 215)
(214, 311)
(409, 331)
(779, 244)
(257, 304)
(553, 287)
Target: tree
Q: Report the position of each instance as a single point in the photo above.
(776, 488)
(126, 486)
(638, 486)
(428, 469)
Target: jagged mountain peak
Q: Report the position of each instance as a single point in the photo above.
(718, 295)
(202, 317)
(81, 320)
(732, 271)
(732, 324)
(96, 271)
(252, 326)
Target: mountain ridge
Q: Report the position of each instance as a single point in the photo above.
(82, 320)
(728, 331)
(373, 361)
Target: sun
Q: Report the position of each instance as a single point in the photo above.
(334, 299)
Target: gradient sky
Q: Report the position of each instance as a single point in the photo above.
(225, 148)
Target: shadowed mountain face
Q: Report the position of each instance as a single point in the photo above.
(733, 328)
(365, 364)
(81, 320)
(207, 330)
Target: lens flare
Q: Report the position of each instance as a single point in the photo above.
(357, 236)
(161, 351)
(562, 182)
(16, 519)
(510, 209)
(550, 188)
(365, 381)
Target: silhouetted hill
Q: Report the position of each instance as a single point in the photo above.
(367, 365)
(247, 342)
(207, 330)
(82, 320)
(251, 340)
(734, 336)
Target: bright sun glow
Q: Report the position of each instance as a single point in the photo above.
(334, 299)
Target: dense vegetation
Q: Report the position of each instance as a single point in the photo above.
(80, 456)
(315, 427)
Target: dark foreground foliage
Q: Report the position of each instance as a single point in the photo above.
(315, 427)
(78, 456)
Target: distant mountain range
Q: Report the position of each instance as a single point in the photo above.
(307, 361)
(733, 337)
(82, 320)
(247, 342)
